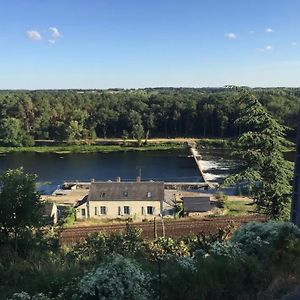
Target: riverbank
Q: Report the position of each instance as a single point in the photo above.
(116, 145)
(84, 148)
(119, 145)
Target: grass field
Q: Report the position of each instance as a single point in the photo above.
(239, 207)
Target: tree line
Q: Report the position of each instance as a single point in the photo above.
(69, 115)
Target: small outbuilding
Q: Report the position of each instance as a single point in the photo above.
(50, 213)
(196, 205)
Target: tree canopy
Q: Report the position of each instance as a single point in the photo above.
(84, 114)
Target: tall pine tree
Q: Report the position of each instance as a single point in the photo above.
(264, 168)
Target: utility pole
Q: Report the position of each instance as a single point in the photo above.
(295, 209)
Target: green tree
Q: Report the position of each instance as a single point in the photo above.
(13, 134)
(137, 128)
(20, 206)
(264, 168)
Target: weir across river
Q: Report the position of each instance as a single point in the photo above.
(197, 157)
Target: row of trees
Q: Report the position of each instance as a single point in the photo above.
(70, 115)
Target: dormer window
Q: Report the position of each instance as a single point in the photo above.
(102, 195)
(125, 194)
(149, 194)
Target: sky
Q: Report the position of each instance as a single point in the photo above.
(58, 44)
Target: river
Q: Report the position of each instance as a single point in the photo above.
(174, 166)
(53, 169)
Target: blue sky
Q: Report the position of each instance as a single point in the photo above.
(147, 43)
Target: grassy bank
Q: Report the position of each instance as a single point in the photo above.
(91, 148)
(114, 145)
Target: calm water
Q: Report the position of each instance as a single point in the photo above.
(53, 169)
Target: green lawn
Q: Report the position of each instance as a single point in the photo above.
(236, 208)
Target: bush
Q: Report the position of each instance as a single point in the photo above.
(25, 296)
(118, 278)
(260, 238)
(212, 278)
(222, 199)
(225, 249)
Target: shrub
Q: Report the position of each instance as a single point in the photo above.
(225, 249)
(260, 238)
(25, 296)
(222, 200)
(212, 278)
(118, 278)
(165, 247)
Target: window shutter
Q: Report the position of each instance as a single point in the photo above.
(153, 210)
(96, 210)
(119, 211)
(143, 210)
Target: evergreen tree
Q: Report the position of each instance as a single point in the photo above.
(260, 148)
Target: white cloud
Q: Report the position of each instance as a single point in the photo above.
(55, 33)
(51, 41)
(231, 36)
(269, 30)
(267, 48)
(33, 35)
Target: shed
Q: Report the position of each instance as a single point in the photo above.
(195, 205)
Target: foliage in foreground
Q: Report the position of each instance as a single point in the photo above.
(124, 266)
(20, 206)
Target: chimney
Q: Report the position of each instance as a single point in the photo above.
(138, 179)
(118, 179)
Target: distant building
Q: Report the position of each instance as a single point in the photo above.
(295, 209)
(196, 205)
(122, 200)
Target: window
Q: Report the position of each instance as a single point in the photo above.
(150, 210)
(125, 193)
(126, 210)
(96, 211)
(149, 194)
(103, 210)
(83, 212)
(102, 195)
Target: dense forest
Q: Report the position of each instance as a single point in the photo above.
(69, 115)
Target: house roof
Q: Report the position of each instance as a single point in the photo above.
(196, 204)
(126, 191)
(81, 202)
